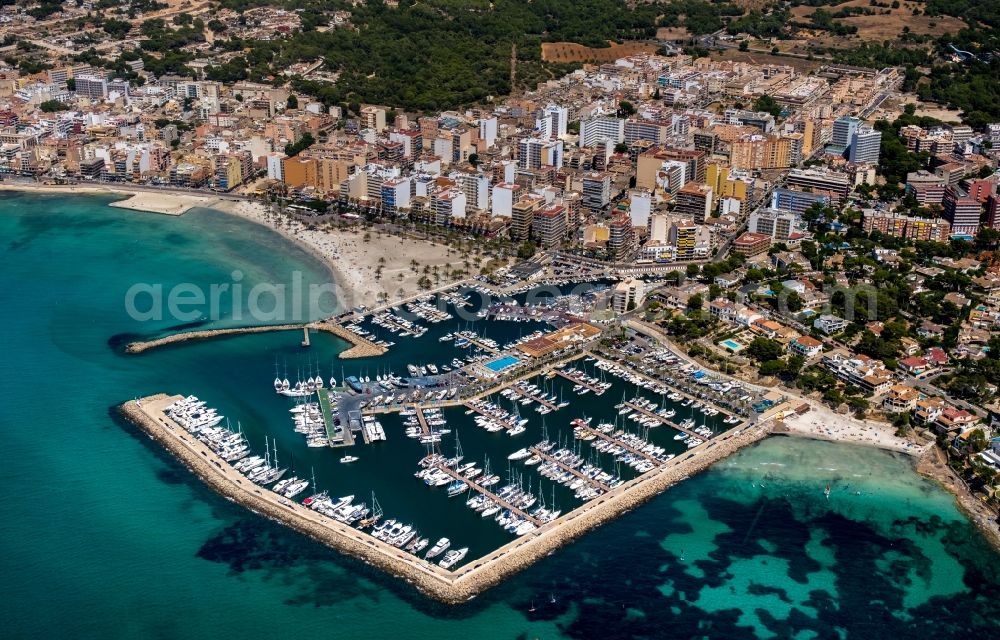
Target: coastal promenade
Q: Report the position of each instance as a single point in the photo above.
(360, 347)
(450, 587)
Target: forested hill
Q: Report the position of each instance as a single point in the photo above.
(438, 54)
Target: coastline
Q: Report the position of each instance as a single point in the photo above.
(368, 268)
(822, 423)
(136, 198)
(934, 465)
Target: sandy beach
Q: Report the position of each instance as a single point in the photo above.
(173, 204)
(823, 423)
(370, 267)
(139, 199)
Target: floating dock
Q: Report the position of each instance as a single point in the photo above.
(565, 467)
(524, 394)
(478, 488)
(506, 425)
(582, 383)
(669, 423)
(603, 436)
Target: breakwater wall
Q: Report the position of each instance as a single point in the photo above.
(147, 414)
(360, 347)
(449, 587)
(521, 553)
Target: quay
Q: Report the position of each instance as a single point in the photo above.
(346, 437)
(565, 467)
(360, 347)
(449, 587)
(489, 494)
(669, 423)
(148, 414)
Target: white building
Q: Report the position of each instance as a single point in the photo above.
(627, 295)
(602, 129)
(866, 144)
(274, 166)
(640, 207)
(830, 324)
(553, 122)
(504, 197)
(488, 131)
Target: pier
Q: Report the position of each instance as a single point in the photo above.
(686, 394)
(582, 383)
(489, 494)
(506, 425)
(361, 347)
(394, 326)
(482, 345)
(346, 437)
(669, 423)
(424, 427)
(603, 436)
(450, 587)
(533, 398)
(565, 467)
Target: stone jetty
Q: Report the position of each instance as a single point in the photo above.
(449, 587)
(360, 347)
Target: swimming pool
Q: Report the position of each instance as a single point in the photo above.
(732, 345)
(500, 364)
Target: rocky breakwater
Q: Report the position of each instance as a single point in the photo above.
(148, 414)
(523, 552)
(184, 336)
(361, 347)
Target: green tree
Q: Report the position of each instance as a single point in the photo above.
(764, 349)
(767, 104)
(526, 250)
(304, 143)
(978, 441)
(626, 109)
(52, 106)
(695, 302)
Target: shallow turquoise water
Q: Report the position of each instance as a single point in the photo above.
(104, 536)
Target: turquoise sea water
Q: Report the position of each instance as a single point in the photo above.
(104, 536)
